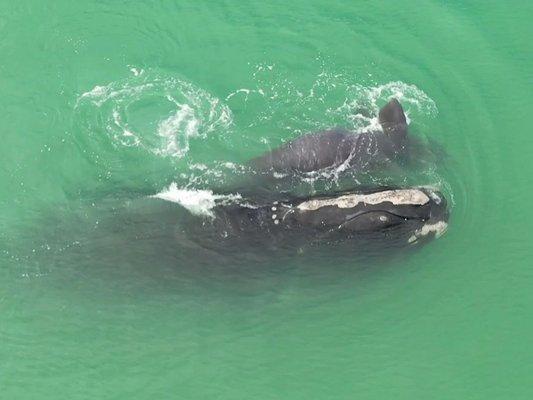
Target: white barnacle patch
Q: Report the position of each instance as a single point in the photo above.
(396, 197)
(274, 208)
(438, 228)
(435, 197)
(274, 216)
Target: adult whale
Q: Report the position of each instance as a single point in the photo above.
(336, 148)
(384, 217)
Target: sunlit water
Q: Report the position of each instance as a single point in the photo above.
(119, 119)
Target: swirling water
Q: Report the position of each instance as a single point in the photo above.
(107, 104)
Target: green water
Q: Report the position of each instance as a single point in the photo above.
(105, 102)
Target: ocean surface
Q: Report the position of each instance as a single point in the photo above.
(107, 105)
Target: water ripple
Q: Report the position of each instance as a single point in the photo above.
(157, 112)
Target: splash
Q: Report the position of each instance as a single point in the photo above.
(362, 103)
(197, 202)
(279, 101)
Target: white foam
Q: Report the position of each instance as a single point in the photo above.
(308, 108)
(95, 92)
(199, 167)
(99, 95)
(176, 129)
(243, 90)
(373, 97)
(197, 202)
(136, 71)
(193, 113)
(127, 133)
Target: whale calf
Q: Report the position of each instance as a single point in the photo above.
(340, 147)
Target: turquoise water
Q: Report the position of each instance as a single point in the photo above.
(106, 103)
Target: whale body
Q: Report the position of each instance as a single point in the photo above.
(389, 217)
(340, 147)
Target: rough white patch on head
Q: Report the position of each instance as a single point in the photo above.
(435, 197)
(438, 228)
(396, 197)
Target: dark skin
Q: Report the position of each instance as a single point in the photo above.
(336, 147)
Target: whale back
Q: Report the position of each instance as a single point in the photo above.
(333, 148)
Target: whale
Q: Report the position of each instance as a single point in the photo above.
(378, 217)
(339, 147)
(389, 217)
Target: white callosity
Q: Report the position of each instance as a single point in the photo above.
(396, 197)
(438, 228)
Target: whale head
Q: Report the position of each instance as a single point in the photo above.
(407, 215)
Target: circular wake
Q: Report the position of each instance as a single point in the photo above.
(153, 111)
